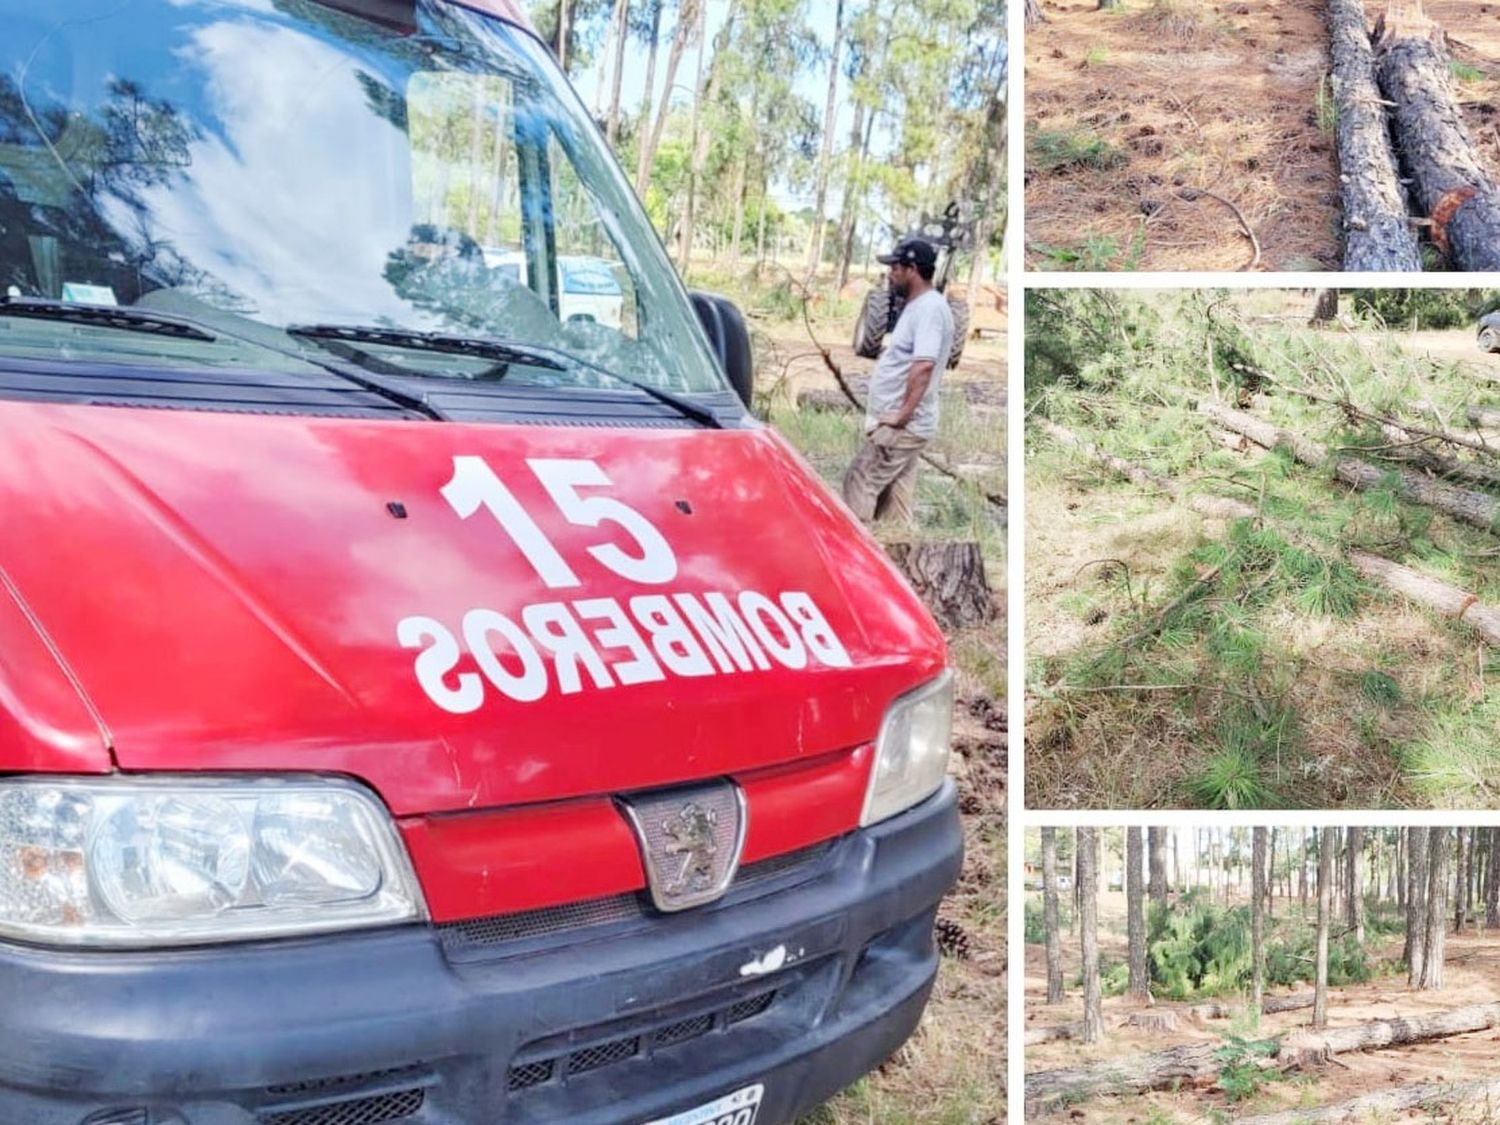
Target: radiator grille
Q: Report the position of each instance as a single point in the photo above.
(359, 1111)
(501, 928)
(538, 1072)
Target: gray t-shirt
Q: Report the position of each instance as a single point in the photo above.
(923, 331)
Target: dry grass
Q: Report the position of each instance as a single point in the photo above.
(952, 1071)
(1219, 97)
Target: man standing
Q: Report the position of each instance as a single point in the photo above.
(901, 414)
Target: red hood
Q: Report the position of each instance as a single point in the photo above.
(224, 591)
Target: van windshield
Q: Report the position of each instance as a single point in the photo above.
(248, 167)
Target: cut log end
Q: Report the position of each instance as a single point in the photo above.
(950, 579)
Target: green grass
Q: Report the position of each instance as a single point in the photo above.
(1050, 150)
(1464, 72)
(1249, 665)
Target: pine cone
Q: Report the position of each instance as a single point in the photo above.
(952, 940)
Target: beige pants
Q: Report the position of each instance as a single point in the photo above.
(881, 482)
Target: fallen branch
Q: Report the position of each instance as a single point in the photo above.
(1192, 194)
(1420, 454)
(1462, 504)
(1198, 1062)
(1375, 1107)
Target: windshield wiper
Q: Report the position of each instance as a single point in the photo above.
(504, 351)
(104, 316)
(443, 342)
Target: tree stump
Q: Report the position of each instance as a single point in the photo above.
(950, 580)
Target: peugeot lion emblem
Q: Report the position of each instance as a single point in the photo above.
(690, 841)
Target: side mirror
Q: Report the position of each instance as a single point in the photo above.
(730, 339)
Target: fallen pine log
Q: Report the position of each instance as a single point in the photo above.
(1378, 232)
(1450, 601)
(1483, 417)
(1462, 504)
(1448, 178)
(1208, 1010)
(1403, 448)
(1197, 1062)
(1374, 1107)
(1270, 1005)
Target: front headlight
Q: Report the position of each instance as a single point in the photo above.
(149, 862)
(911, 754)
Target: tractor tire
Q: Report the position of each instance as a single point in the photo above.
(1489, 340)
(960, 311)
(873, 323)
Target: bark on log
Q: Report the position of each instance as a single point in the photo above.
(1462, 504)
(1219, 1010)
(1448, 178)
(1471, 472)
(1134, 1074)
(1380, 1106)
(1311, 1047)
(1483, 417)
(1378, 231)
(950, 580)
(1450, 601)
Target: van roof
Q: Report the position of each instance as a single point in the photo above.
(506, 10)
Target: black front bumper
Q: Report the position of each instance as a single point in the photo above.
(621, 1021)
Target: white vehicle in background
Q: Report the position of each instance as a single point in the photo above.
(590, 289)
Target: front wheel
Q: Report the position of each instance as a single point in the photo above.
(960, 311)
(874, 320)
(1489, 340)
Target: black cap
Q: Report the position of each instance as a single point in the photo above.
(910, 252)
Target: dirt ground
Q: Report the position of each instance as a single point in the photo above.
(1473, 977)
(1230, 98)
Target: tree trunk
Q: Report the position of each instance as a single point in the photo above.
(688, 22)
(1462, 857)
(1356, 913)
(1492, 883)
(1378, 230)
(1088, 926)
(1199, 1064)
(1270, 1005)
(1437, 912)
(1471, 507)
(1388, 1105)
(563, 48)
(1416, 904)
(1257, 916)
(621, 32)
(1156, 863)
(740, 168)
(1326, 308)
(1448, 177)
(648, 99)
(1135, 915)
(1049, 916)
(1325, 888)
(830, 107)
(949, 577)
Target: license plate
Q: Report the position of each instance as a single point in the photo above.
(738, 1108)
